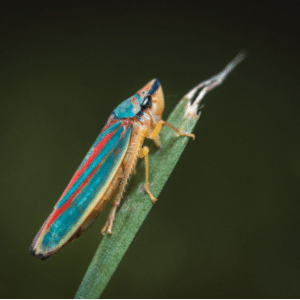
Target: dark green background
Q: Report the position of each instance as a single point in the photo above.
(227, 222)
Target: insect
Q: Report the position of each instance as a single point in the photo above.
(105, 170)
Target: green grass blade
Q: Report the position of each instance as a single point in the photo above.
(136, 203)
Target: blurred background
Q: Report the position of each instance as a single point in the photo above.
(227, 222)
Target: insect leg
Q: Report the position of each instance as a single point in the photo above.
(111, 192)
(159, 125)
(110, 221)
(144, 153)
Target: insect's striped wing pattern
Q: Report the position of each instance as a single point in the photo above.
(84, 191)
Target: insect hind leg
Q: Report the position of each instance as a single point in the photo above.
(110, 221)
(115, 202)
(144, 154)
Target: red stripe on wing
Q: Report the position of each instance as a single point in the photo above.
(79, 172)
(59, 211)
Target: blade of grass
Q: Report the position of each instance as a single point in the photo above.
(136, 203)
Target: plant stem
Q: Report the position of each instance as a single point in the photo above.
(136, 203)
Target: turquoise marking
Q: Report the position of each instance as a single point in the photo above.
(138, 98)
(127, 109)
(59, 228)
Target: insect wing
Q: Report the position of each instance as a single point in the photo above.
(84, 191)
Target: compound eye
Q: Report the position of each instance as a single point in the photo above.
(147, 102)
